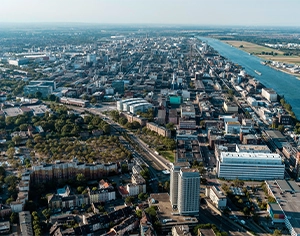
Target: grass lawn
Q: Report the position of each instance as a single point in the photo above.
(169, 155)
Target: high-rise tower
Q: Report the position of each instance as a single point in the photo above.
(185, 188)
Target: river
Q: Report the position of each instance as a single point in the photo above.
(282, 83)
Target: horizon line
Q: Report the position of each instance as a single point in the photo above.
(149, 24)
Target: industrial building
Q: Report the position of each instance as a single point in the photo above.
(286, 208)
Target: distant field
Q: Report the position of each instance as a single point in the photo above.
(285, 59)
(257, 50)
(251, 47)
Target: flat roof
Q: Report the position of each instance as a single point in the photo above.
(166, 211)
(289, 203)
(275, 207)
(242, 147)
(243, 155)
(284, 186)
(274, 134)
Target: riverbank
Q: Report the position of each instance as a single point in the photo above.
(257, 50)
(283, 83)
(283, 70)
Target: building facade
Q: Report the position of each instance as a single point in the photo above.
(188, 191)
(254, 166)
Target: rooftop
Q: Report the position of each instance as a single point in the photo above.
(167, 216)
(288, 201)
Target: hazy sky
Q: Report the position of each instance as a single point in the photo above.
(195, 12)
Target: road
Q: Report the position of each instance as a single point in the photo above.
(209, 216)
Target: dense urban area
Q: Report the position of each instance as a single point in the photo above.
(145, 131)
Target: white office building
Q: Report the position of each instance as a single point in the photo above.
(142, 107)
(126, 105)
(254, 166)
(121, 104)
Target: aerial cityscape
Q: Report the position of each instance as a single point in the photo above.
(125, 121)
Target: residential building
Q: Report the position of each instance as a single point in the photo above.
(232, 127)
(187, 111)
(16, 206)
(4, 227)
(146, 228)
(102, 195)
(181, 230)
(118, 86)
(174, 175)
(159, 129)
(67, 170)
(216, 196)
(5, 210)
(230, 107)
(269, 94)
(25, 223)
(188, 191)
(135, 189)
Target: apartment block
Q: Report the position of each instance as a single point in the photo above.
(159, 129)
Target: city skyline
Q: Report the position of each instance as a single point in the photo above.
(175, 12)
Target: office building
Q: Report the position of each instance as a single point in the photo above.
(254, 166)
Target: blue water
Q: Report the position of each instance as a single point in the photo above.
(282, 83)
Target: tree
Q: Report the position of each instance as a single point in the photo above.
(277, 232)
(11, 180)
(80, 178)
(115, 115)
(129, 200)
(94, 100)
(52, 97)
(17, 139)
(238, 183)
(23, 127)
(10, 152)
(139, 213)
(151, 211)
(38, 95)
(124, 168)
(80, 189)
(106, 128)
(281, 128)
(123, 121)
(143, 196)
(46, 212)
(14, 217)
(170, 126)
